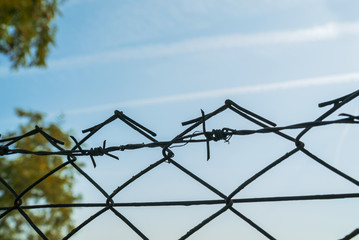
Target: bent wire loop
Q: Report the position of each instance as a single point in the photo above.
(228, 202)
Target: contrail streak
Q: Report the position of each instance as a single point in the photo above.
(226, 92)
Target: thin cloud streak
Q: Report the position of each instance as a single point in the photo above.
(313, 34)
(226, 92)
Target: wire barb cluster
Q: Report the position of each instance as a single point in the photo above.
(228, 202)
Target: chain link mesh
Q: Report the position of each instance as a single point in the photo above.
(227, 202)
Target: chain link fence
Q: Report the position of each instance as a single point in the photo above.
(227, 202)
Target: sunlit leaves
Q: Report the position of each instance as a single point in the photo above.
(27, 30)
(23, 170)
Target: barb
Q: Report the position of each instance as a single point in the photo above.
(228, 203)
(206, 135)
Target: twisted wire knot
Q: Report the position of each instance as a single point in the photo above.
(4, 150)
(98, 151)
(218, 134)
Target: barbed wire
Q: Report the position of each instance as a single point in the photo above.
(188, 136)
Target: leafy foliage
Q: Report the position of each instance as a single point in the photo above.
(27, 30)
(21, 171)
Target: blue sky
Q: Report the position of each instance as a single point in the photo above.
(162, 61)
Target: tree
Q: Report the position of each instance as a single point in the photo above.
(27, 30)
(21, 171)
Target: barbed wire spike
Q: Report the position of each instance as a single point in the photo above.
(351, 117)
(337, 100)
(206, 135)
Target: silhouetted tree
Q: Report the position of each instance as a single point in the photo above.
(27, 30)
(22, 170)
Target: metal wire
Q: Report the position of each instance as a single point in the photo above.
(186, 137)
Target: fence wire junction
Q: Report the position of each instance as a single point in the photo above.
(188, 136)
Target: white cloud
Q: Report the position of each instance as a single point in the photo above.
(317, 33)
(226, 92)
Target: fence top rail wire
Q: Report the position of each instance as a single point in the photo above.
(188, 136)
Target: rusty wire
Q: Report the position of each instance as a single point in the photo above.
(186, 137)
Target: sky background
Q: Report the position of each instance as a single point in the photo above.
(160, 62)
